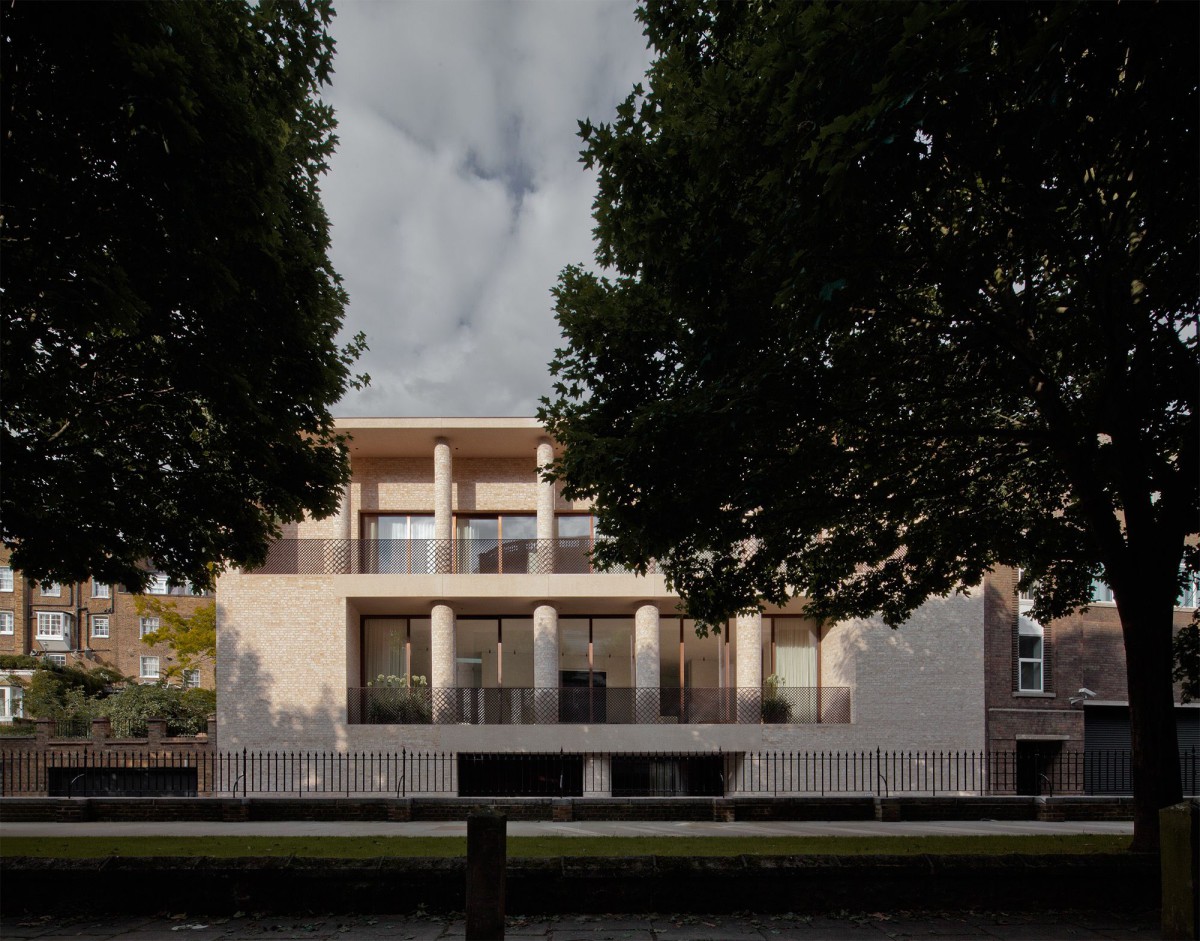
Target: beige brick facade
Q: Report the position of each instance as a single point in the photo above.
(293, 648)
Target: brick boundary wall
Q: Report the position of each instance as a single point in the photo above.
(156, 742)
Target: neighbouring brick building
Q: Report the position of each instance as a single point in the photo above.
(89, 624)
(451, 605)
(1062, 687)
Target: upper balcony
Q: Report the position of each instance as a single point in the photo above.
(562, 556)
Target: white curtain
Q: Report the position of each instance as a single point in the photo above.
(796, 665)
(479, 553)
(424, 549)
(389, 553)
(383, 641)
(796, 653)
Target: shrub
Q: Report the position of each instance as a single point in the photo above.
(22, 661)
(399, 700)
(131, 708)
(774, 707)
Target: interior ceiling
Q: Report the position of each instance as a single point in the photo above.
(506, 607)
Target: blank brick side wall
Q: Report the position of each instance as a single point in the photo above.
(281, 655)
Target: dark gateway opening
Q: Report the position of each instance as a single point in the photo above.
(667, 776)
(520, 775)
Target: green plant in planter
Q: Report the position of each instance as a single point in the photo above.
(774, 707)
(398, 700)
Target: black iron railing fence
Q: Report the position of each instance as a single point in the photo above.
(403, 773)
(383, 705)
(564, 556)
(72, 728)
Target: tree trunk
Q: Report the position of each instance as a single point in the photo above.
(1146, 627)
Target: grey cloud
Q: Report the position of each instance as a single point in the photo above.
(456, 195)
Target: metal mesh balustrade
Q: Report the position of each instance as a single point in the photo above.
(142, 772)
(565, 556)
(379, 705)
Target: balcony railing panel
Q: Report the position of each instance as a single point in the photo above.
(381, 705)
(567, 556)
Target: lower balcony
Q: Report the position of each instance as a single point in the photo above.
(797, 705)
(562, 556)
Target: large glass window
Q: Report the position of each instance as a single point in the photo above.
(688, 661)
(670, 652)
(576, 536)
(477, 664)
(6, 578)
(580, 526)
(397, 649)
(491, 545)
(516, 661)
(596, 669)
(574, 651)
(701, 670)
(703, 663)
(420, 649)
(791, 684)
(400, 544)
(385, 650)
(612, 650)
(494, 652)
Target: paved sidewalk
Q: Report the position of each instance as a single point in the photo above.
(655, 828)
(844, 926)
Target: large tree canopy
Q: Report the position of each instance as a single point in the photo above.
(898, 293)
(170, 313)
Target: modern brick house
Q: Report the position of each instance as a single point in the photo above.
(451, 605)
(89, 624)
(1061, 687)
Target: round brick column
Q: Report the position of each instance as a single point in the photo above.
(545, 663)
(443, 509)
(747, 636)
(545, 512)
(646, 660)
(443, 653)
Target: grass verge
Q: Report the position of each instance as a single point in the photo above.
(353, 847)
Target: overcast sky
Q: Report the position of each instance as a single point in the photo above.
(456, 194)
